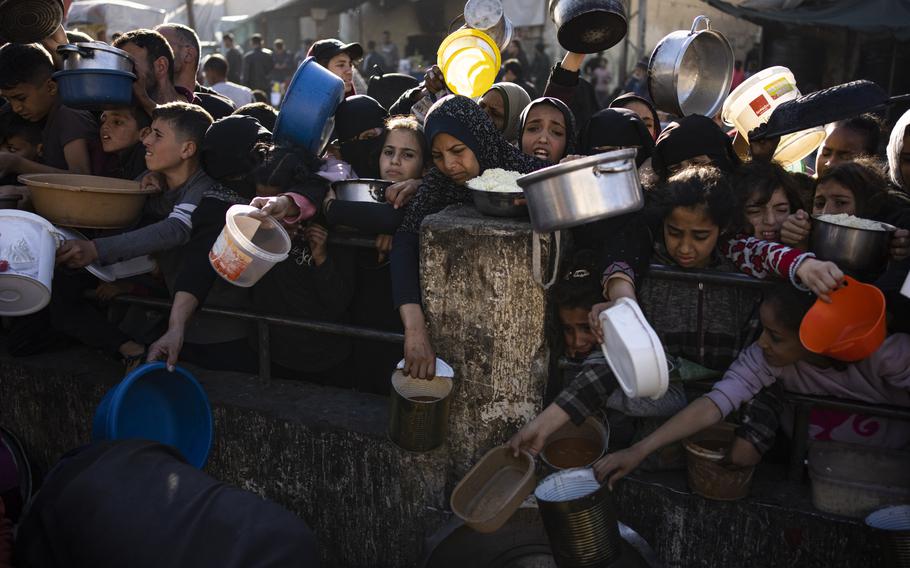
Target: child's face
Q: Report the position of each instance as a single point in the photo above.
(779, 345)
(22, 147)
(767, 218)
(165, 148)
(32, 102)
(401, 156)
(831, 198)
(576, 332)
(690, 236)
(119, 130)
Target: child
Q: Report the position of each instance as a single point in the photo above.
(26, 82)
(122, 132)
(172, 152)
(778, 356)
(23, 138)
(769, 195)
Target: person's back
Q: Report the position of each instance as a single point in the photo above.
(257, 66)
(216, 69)
(234, 57)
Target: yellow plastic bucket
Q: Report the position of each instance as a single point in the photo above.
(469, 60)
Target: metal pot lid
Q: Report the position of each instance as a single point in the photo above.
(580, 164)
(94, 46)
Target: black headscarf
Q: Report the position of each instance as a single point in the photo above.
(571, 128)
(354, 115)
(462, 118)
(229, 152)
(622, 100)
(616, 127)
(689, 137)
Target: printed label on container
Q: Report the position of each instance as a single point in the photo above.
(779, 88)
(228, 260)
(760, 105)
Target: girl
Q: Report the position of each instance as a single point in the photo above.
(855, 188)
(615, 129)
(847, 140)
(504, 103)
(690, 141)
(547, 128)
(899, 153)
(463, 143)
(769, 195)
(643, 108)
(778, 356)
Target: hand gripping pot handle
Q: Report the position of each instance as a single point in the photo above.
(601, 169)
(695, 22)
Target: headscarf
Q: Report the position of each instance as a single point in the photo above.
(514, 100)
(689, 137)
(462, 118)
(622, 100)
(354, 115)
(228, 152)
(571, 129)
(895, 147)
(616, 127)
(388, 87)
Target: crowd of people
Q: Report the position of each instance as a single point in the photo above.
(208, 147)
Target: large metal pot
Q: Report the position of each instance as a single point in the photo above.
(690, 72)
(581, 191)
(307, 114)
(488, 16)
(94, 56)
(853, 249)
(588, 26)
(361, 190)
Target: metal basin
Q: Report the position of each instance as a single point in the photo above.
(852, 249)
(501, 204)
(581, 191)
(361, 190)
(691, 72)
(94, 56)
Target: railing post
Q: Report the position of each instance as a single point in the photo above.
(800, 440)
(265, 356)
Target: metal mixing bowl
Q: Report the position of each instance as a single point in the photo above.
(500, 203)
(852, 249)
(361, 190)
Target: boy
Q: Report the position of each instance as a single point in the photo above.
(171, 151)
(122, 132)
(23, 138)
(26, 81)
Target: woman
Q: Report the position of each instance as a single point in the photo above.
(615, 129)
(547, 130)
(643, 108)
(899, 153)
(463, 142)
(359, 129)
(769, 195)
(689, 141)
(504, 103)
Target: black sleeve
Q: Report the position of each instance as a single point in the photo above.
(405, 259)
(405, 102)
(627, 245)
(313, 188)
(367, 217)
(335, 280)
(196, 274)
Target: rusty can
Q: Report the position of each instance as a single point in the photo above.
(419, 415)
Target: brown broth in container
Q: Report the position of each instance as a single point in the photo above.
(424, 398)
(572, 452)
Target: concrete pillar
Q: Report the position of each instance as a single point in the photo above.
(487, 319)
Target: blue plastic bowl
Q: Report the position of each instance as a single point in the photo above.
(306, 117)
(95, 89)
(152, 403)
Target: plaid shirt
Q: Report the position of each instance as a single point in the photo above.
(589, 389)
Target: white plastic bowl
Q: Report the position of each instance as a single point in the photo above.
(634, 351)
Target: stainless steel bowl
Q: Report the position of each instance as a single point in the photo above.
(361, 190)
(94, 55)
(584, 190)
(501, 203)
(856, 250)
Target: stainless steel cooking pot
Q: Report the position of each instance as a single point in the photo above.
(361, 190)
(690, 72)
(588, 26)
(853, 249)
(489, 17)
(94, 55)
(578, 192)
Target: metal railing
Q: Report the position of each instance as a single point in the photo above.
(801, 403)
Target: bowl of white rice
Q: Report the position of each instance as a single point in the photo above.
(853, 243)
(496, 193)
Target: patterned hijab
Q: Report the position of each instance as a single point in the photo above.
(463, 119)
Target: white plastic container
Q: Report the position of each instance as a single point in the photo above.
(751, 103)
(634, 351)
(247, 247)
(28, 245)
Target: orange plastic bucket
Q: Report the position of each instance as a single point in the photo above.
(851, 327)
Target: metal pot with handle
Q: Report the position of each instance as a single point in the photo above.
(94, 56)
(588, 26)
(489, 17)
(690, 72)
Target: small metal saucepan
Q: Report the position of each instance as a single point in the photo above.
(361, 190)
(94, 55)
(851, 248)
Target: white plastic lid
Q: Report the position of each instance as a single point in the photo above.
(634, 351)
(443, 369)
(21, 296)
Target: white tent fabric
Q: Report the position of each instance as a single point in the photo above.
(117, 15)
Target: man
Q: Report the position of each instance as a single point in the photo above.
(339, 58)
(374, 59)
(284, 63)
(257, 66)
(389, 51)
(216, 70)
(185, 44)
(234, 57)
(154, 62)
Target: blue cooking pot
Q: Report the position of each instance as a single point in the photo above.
(307, 113)
(95, 89)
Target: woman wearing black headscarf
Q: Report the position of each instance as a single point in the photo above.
(464, 143)
(693, 140)
(547, 130)
(614, 129)
(359, 125)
